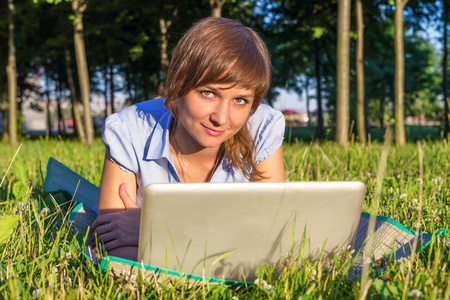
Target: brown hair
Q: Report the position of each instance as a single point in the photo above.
(220, 50)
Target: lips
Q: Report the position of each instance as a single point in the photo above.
(213, 132)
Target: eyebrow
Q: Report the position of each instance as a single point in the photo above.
(245, 96)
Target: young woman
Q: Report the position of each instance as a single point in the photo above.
(211, 127)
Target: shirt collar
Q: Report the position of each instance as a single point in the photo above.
(158, 141)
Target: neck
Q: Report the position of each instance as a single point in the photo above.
(193, 164)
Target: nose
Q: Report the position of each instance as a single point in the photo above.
(220, 114)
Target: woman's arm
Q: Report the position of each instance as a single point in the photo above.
(272, 167)
(118, 221)
(113, 176)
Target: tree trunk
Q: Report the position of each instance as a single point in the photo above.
(216, 7)
(360, 88)
(48, 116)
(444, 71)
(12, 76)
(381, 113)
(399, 82)
(78, 8)
(105, 94)
(61, 122)
(320, 131)
(145, 89)
(5, 135)
(61, 125)
(343, 74)
(111, 80)
(129, 86)
(308, 110)
(73, 95)
(164, 25)
(3, 110)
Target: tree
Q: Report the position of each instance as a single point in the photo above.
(78, 8)
(445, 17)
(360, 101)
(216, 7)
(343, 73)
(320, 130)
(123, 42)
(399, 82)
(3, 83)
(55, 56)
(12, 77)
(164, 25)
(73, 94)
(301, 39)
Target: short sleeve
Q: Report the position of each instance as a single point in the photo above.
(117, 140)
(267, 127)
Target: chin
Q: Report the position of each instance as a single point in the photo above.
(212, 144)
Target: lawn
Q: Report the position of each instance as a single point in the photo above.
(42, 258)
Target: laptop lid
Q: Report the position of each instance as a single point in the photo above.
(227, 230)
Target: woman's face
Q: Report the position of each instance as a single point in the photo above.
(211, 114)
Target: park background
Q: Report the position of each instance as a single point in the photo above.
(381, 63)
(356, 68)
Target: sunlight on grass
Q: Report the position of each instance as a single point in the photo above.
(41, 256)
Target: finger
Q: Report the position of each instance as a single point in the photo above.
(106, 237)
(126, 199)
(101, 236)
(113, 244)
(102, 228)
(117, 243)
(99, 221)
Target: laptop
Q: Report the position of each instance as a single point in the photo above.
(228, 230)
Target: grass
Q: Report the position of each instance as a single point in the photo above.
(413, 132)
(42, 258)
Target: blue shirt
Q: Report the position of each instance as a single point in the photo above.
(137, 138)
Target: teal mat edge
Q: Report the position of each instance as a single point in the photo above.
(104, 266)
(75, 210)
(408, 230)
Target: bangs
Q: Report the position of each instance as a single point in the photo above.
(237, 74)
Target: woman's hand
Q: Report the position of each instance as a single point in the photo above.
(118, 229)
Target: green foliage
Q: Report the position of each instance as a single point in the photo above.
(20, 171)
(387, 289)
(55, 2)
(8, 224)
(294, 54)
(20, 190)
(318, 32)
